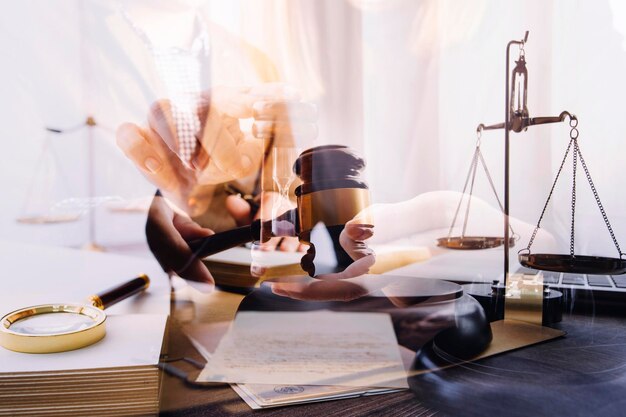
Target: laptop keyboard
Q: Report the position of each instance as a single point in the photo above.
(615, 283)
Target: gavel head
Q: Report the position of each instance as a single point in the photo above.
(331, 193)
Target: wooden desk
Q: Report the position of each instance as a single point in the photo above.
(179, 399)
(581, 374)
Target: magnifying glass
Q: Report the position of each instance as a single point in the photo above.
(50, 328)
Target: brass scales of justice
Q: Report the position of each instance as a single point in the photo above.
(465, 241)
(517, 119)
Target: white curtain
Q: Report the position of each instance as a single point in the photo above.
(434, 70)
(405, 82)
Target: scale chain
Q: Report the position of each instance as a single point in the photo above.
(575, 163)
(472, 174)
(493, 188)
(576, 154)
(543, 212)
(469, 173)
(471, 192)
(598, 202)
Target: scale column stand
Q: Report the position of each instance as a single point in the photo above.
(516, 118)
(507, 128)
(91, 244)
(91, 124)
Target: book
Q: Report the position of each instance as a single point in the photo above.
(240, 267)
(236, 267)
(117, 375)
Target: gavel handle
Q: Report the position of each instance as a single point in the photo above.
(219, 242)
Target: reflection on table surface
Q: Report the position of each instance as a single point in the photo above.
(592, 350)
(331, 332)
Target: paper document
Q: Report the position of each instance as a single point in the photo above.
(259, 396)
(308, 348)
(300, 394)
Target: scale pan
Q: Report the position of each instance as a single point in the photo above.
(473, 242)
(580, 264)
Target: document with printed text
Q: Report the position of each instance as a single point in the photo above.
(309, 348)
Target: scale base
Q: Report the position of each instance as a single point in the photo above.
(473, 242)
(93, 247)
(48, 219)
(491, 298)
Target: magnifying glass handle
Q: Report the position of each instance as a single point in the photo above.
(121, 292)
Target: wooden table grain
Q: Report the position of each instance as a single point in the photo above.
(581, 374)
(180, 399)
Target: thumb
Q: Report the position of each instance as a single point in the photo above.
(239, 209)
(189, 229)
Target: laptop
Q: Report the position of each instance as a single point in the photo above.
(486, 266)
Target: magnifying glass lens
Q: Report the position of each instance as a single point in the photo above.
(52, 323)
(50, 328)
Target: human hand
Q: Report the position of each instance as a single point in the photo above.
(223, 151)
(305, 288)
(349, 284)
(167, 232)
(352, 239)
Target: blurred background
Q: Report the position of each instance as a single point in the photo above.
(404, 82)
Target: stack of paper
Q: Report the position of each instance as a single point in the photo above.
(236, 268)
(241, 267)
(115, 376)
(259, 396)
(302, 357)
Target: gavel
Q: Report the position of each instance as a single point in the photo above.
(331, 193)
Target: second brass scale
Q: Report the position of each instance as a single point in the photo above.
(517, 119)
